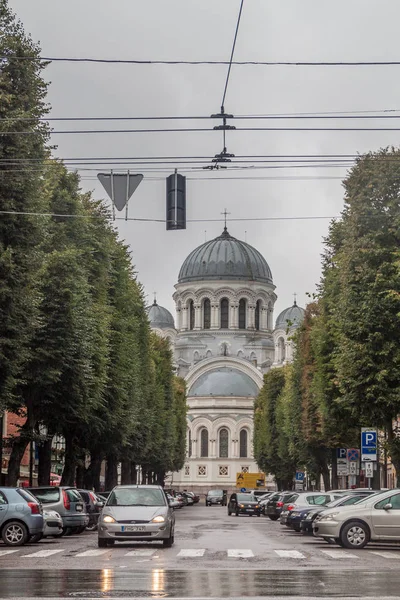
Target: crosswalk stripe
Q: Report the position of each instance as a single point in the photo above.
(191, 553)
(91, 553)
(42, 553)
(239, 553)
(144, 552)
(289, 554)
(4, 552)
(339, 554)
(385, 554)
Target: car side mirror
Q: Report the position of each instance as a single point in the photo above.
(99, 504)
(387, 506)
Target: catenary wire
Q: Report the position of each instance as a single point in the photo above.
(232, 53)
(197, 130)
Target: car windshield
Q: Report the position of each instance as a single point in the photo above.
(136, 497)
(215, 493)
(246, 498)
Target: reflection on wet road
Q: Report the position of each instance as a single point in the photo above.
(159, 583)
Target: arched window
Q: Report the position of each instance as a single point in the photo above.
(189, 443)
(223, 443)
(204, 443)
(206, 314)
(242, 314)
(257, 315)
(243, 443)
(191, 314)
(224, 313)
(281, 350)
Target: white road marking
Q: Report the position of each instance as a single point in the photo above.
(191, 553)
(339, 554)
(42, 553)
(91, 553)
(385, 554)
(4, 552)
(289, 554)
(240, 553)
(144, 552)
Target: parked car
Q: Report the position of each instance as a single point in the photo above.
(303, 500)
(196, 497)
(93, 504)
(136, 512)
(189, 498)
(53, 526)
(103, 495)
(263, 501)
(308, 516)
(243, 504)
(21, 516)
(275, 504)
(173, 502)
(67, 502)
(373, 519)
(215, 497)
(183, 499)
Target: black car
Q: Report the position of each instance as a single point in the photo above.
(94, 504)
(244, 504)
(215, 497)
(275, 504)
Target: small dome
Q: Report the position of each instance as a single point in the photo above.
(160, 317)
(227, 258)
(290, 317)
(224, 382)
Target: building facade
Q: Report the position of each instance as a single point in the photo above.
(224, 341)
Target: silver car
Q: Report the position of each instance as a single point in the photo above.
(372, 519)
(21, 516)
(136, 512)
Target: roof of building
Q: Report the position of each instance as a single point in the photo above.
(227, 258)
(224, 381)
(290, 317)
(160, 317)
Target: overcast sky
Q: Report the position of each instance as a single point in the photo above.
(284, 30)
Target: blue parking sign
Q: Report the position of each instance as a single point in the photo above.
(299, 475)
(369, 443)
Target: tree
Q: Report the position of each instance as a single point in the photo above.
(367, 358)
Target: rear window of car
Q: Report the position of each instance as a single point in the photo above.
(275, 497)
(290, 497)
(47, 495)
(84, 495)
(73, 495)
(26, 495)
(318, 500)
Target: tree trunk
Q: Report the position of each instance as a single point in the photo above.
(80, 475)
(111, 472)
(92, 474)
(335, 483)
(126, 472)
(326, 476)
(44, 468)
(69, 472)
(18, 450)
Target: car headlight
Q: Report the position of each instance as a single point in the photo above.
(158, 519)
(257, 506)
(241, 505)
(330, 517)
(109, 519)
(305, 515)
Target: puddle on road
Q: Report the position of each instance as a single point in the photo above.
(160, 583)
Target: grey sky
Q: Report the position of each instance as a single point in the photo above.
(289, 30)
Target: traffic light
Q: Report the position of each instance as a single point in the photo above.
(176, 202)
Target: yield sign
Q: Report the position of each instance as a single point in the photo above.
(119, 186)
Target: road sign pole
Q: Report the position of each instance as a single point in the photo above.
(127, 197)
(112, 194)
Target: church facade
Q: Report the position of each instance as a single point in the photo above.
(224, 340)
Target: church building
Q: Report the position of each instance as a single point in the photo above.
(224, 340)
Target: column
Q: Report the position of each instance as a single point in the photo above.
(197, 317)
(214, 316)
(251, 313)
(185, 318)
(179, 318)
(264, 321)
(233, 316)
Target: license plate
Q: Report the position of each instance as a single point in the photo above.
(249, 510)
(131, 528)
(79, 507)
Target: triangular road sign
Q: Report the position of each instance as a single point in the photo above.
(119, 186)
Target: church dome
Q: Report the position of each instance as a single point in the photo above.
(224, 381)
(160, 317)
(225, 258)
(290, 317)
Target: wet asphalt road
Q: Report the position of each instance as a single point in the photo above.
(214, 556)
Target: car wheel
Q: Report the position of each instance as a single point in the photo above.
(258, 515)
(297, 529)
(67, 530)
(169, 542)
(102, 543)
(354, 535)
(92, 527)
(36, 538)
(273, 517)
(229, 513)
(81, 529)
(110, 542)
(15, 534)
(236, 513)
